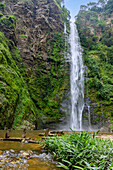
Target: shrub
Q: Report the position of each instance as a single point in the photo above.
(81, 151)
(2, 6)
(95, 38)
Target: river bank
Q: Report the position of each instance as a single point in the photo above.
(30, 155)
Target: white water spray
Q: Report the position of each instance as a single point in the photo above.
(76, 79)
(65, 28)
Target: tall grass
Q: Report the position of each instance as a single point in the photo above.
(81, 151)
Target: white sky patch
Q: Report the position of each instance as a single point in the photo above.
(74, 5)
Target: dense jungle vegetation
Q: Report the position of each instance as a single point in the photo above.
(95, 26)
(34, 77)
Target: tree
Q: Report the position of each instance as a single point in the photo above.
(91, 4)
(101, 3)
(83, 7)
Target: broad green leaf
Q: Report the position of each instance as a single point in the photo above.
(78, 167)
(111, 165)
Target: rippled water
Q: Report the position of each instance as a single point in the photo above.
(24, 156)
(10, 159)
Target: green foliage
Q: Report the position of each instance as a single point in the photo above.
(109, 7)
(11, 17)
(96, 37)
(65, 15)
(50, 83)
(110, 55)
(106, 91)
(8, 20)
(64, 12)
(107, 38)
(59, 1)
(112, 21)
(93, 67)
(81, 151)
(24, 36)
(32, 92)
(1, 15)
(15, 100)
(2, 6)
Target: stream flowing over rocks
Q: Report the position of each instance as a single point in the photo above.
(19, 155)
(10, 159)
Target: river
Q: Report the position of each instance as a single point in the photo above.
(24, 156)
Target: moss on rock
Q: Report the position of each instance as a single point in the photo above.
(16, 103)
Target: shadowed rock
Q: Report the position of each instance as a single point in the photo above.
(7, 134)
(24, 133)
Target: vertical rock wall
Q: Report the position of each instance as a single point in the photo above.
(34, 32)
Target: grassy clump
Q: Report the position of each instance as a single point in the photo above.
(81, 151)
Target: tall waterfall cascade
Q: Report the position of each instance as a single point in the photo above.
(66, 54)
(76, 79)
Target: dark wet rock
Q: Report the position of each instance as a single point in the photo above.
(105, 129)
(97, 121)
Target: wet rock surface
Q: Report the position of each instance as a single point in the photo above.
(25, 160)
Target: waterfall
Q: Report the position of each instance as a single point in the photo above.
(65, 29)
(76, 80)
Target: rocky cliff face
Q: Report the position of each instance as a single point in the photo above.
(35, 20)
(34, 39)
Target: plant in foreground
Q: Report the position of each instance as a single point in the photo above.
(81, 151)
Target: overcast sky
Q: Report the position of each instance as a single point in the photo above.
(74, 5)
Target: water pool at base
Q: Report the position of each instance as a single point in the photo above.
(24, 156)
